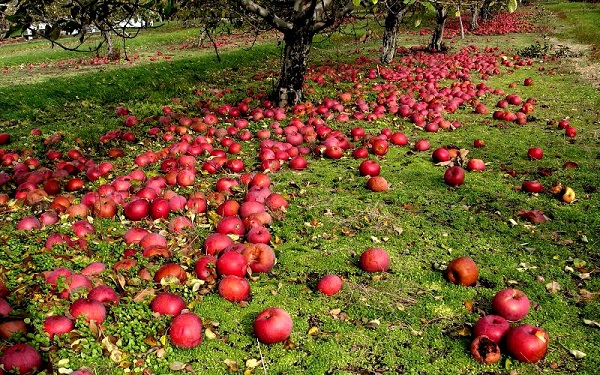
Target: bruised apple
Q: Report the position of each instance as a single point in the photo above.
(374, 260)
(462, 271)
(234, 288)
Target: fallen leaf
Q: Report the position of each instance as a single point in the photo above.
(177, 366)
(578, 354)
(313, 331)
(210, 334)
(533, 216)
(253, 363)
(591, 323)
(570, 165)
(373, 324)
(232, 365)
(553, 287)
(142, 294)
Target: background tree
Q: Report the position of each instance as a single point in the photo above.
(396, 9)
(82, 19)
(299, 21)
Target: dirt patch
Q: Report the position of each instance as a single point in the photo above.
(583, 64)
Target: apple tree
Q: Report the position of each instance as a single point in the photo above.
(51, 19)
(396, 9)
(299, 21)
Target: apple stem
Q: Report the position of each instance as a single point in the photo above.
(262, 359)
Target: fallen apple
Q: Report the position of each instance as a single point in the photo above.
(272, 325)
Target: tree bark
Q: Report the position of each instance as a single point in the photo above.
(474, 25)
(293, 67)
(438, 33)
(111, 52)
(390, 35)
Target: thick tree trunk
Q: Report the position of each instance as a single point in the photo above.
(390, 34)
(293, 67)
(438, 33)
(474, 25)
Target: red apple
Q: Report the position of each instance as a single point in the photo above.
(422, 145)
(89, 309)
(454, 176)
(58, 325)
(570, 131)
(462, 271)
(532, 186)
(330, 284)
(377, 184)
(205, 267)
(234, 288)
(4, 138)
(171, 270)
(232, 263)
(369, 168)
(535, 153)
(272, 325)
(104, 294)
(511, 304)
(493, 326)
(258, 234)
(478, 143)
(440, 155)
(216, 242)
(475, 165)
(21, 358)
(260, 257)
(527, 343)
(136, 210)
(374, 260)
(186, 331)
(167, 304)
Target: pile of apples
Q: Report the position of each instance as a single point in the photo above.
(523, 342)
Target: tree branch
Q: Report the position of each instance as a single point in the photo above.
(336, 19)
(269, 17)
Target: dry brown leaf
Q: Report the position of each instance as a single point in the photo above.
(553, 287)
(533, 216)
(142, 294)
(232, 365)
(177, 366)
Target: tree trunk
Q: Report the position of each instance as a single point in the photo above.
(475, 17)
(293, 67)
(438, 33)
(111, 52)
(390, 34)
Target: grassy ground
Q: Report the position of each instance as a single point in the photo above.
(579, 22)
(407, 320)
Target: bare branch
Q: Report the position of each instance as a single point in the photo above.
(269, 17)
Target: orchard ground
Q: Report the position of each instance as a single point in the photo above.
(409, 319)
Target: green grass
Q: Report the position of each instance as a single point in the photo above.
(578, 21)
(407, 320)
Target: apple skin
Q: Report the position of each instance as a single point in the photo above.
(330, 284)
(234, 288)
(167, 304)
(475, 165)
(440, 155)
(532, 186)
(186, 330)
(21, 356)
(535, 153)
(272, 325)
(527, 343)
(511, 304)
(374, 260)
(493, 326)
(462, 271)
(454, 176)
(90, 309)
(57, 325)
